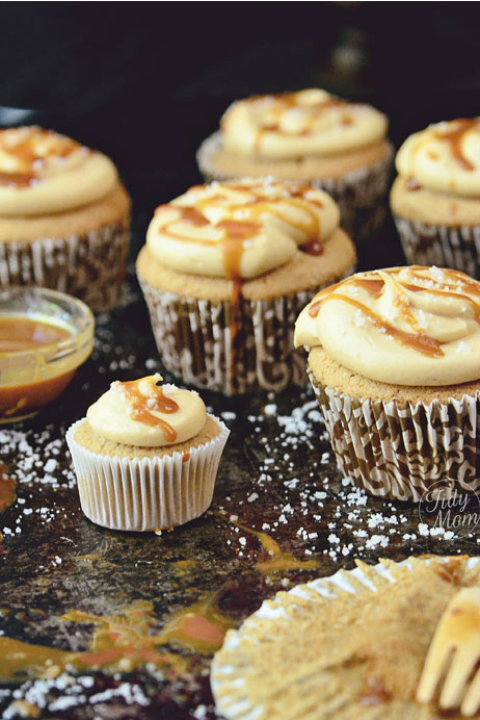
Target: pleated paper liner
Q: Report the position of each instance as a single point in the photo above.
(90, 266)
(452, 247)
(400, 450)
(360, 194)
(146, 494)
(273, 667)
(194, 340)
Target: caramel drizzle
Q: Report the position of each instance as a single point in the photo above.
(413, 185)
(417, 340)
(238, 231)
(455, 138)
(287, 101)
(157, 402)
(26, 152)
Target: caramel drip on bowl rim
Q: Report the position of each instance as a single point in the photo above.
(142, 412)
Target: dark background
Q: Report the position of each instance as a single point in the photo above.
(146, 82)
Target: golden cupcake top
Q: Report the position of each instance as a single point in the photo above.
(406, 325)
(297, 124)
(444, 157)
(42, 171)
(241, 229)
(145, 413)
(350, 646)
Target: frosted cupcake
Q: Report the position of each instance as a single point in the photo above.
(225, 271)
(394, 358)
(310, 136)
(436, 196)
(146, 456)
(64, 217)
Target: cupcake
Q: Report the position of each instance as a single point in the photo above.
(435, 199)
(225, 271)
(351, 646)
(308, 136)
(146, 456)
(64, 217)
(394, 358)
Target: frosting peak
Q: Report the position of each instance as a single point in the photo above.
(308, 122)
(143, 413)
(408, 326)
(42, 171)
(444, 157)
(240, 229)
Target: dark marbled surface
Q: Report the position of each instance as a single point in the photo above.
(277, 477)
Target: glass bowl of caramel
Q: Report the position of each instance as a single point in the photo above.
(45, 336)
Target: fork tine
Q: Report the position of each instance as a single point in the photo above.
(464, 661)
(471, 702)
(435, 663)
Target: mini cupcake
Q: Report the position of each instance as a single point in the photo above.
(64, 217)
(146, 456)
(394, 358)
(225, 271)
(435, 199)
(308, 136)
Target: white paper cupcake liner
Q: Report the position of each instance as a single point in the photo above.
(400, 450)
(91, 266)
(360, 194)
(235, 679)
(452, 247)
(146, 494)
(194, 340)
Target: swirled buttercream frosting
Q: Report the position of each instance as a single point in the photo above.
(444, 157)
(240, 229)
(298, 124)
(44, 172)
(407, 325)
(147, 414)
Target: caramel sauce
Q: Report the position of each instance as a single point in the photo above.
(142, 407)
(22, 334)
(313, 247)
(279, 559)
(123, 642)
(374, 693)
(26, 152)
(287, 101)
(16, 179)
(7, 490)
(455, 137)
(7, 493)
(185, 456)
(374, 286)
(413, 185)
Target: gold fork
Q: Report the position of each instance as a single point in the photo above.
(454, 656)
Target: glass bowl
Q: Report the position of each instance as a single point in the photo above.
(44, 336)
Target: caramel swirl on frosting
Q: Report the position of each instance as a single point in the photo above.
(444, 157)
(42, 172)
(407, 325)
(143, 413)
(241, 229)
(308, 122)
